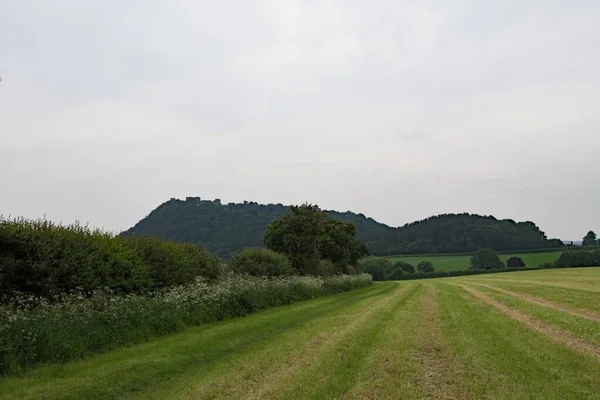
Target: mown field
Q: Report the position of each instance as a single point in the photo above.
(519, 335)
(462, 262)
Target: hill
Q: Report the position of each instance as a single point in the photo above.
(228, 228)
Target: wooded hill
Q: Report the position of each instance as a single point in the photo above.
(229, 228)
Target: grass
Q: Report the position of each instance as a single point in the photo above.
(462, 262)
(437, 338)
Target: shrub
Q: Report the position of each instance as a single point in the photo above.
(425, 267)
(258, 261)
(327, 268)
(515, 262)
(404, 266)
(42, 258)
(396, 274)
(378, 267)
(486, 259)
(170, 264)
(578, 258)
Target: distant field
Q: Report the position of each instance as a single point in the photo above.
(514, 335)
(456, 263)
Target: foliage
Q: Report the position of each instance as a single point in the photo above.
(578, 258)
(170, 264)
(378, 267)
(486, 259)
(307, 235)
(43, 258)
(296, 235)
(337, 243)
(515, 262)
(226, 229)
(257, 261)
(425, 267)
(405, 267)
(34, 330)
(396, 274)
(590, 239)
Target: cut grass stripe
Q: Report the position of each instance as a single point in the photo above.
(545, 303)
(551, 332)
(570, 298)
(505, 359)
(259, 373)
(335, 371)
(440, 374)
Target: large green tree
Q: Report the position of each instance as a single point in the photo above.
(337, 243)
(307, 234)
(590, 239)
(486, 259)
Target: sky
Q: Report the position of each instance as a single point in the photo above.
(395, 109)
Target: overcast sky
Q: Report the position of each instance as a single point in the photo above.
(396, 109)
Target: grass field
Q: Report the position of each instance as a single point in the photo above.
(462, 262)
(523, 335)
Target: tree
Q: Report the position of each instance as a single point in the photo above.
(404, 266)
(515, 262)
(307, 234)
(486, 259)
(337, 243)
(378, 267)
(590, 239)
(257, 261)
(296, 235)
(425, 267)
(396, 274)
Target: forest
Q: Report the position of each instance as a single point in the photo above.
(226, 229)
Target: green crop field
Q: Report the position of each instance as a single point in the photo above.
(462, 262)
(519, 335)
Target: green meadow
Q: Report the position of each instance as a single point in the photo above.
(462, 262)
(514, 335)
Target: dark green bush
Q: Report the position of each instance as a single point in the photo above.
(405, 267)
(378, 267)
(169, 263)
(425, 267)
(515, 262)
(43, 258)
(578, 258)
(396, 274)
(257, 261)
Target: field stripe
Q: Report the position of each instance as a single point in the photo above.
(545, 303)
(385, 372)
(335, 371)
(302, 355)
(439, 374)
(583, 287)
(548, 331)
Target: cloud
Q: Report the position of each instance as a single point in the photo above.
(398, 110)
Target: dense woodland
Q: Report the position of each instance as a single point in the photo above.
(225, 229)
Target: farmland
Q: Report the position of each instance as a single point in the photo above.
(461, 262)
(532, 334)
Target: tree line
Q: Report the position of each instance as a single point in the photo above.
(226, 229)
(482, 262)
